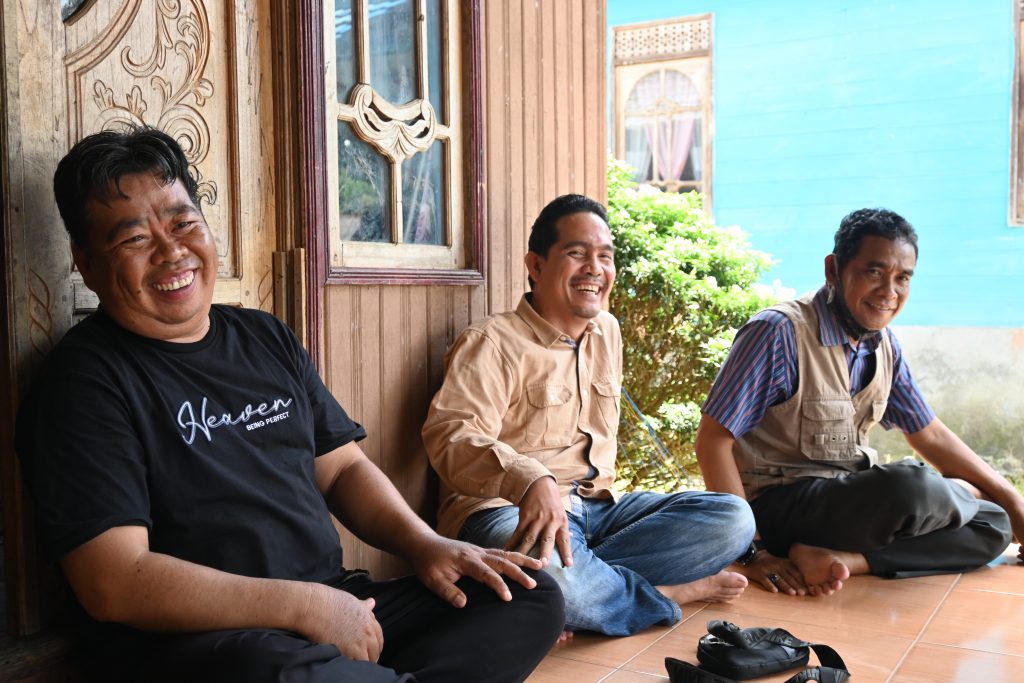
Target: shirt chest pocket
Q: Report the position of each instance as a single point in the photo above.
(827, 431)
(552, 415)
(606, 396)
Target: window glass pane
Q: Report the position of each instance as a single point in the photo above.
(679, 88)
(344, 48)
(645, 93)
(677, 138)
(694, 167)
(435, 60)
(638, 146)
(422, 180)
(393, 50)
(363, 196)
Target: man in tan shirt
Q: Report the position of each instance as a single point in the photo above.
(523, 436)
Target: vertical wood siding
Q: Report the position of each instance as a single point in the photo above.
(545, 135)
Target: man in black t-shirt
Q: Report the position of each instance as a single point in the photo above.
(184, 459)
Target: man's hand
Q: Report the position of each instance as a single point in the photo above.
(441, 562)
(542, 523)
(766, 567)
(1015, 510)
(343, 620)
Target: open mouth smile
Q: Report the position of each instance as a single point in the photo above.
(180, 281)
(587, 287)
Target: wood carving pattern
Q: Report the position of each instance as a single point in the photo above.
(265, 291)
(182, 29)
(668, 39)
(396, 132)
(40, 317)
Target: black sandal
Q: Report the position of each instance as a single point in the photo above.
(728, 654)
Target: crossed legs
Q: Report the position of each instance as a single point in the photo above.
(637, 560)
(902, 519)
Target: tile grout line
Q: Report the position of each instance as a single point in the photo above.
(920, 634)
(653, 642)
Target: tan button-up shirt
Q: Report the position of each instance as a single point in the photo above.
(521, 401)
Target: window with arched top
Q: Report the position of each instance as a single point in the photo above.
(663, 102)
(663, 131)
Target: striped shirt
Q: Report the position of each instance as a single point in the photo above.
(761, 371)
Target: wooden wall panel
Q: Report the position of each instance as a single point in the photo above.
(544, 135)
(384, 348)
(546, 123)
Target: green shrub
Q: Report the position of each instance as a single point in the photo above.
(683, 287)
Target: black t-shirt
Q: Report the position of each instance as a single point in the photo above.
(210, 445)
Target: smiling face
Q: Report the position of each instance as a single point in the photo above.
(572, 282)
(151, 259)
(876, 282)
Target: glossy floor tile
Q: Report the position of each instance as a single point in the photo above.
(938, 664)
(938, 629)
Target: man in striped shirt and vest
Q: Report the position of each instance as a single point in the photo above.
(786, 426)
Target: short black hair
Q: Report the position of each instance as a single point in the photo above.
(858, 224)
(544, 233)
(95, 165)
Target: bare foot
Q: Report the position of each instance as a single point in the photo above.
(721, 587)
(563, 639)
(825, 570)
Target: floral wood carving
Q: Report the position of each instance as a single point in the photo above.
(396, 132)
(40, 316)
(182, 37)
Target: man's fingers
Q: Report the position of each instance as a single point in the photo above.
(449, 592)
(379, 633)
(564, 540)
(794, 583)
(547, 544)
(521, 560)
(523, 540)
(497, 564)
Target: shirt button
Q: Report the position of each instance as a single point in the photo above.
(584, 392)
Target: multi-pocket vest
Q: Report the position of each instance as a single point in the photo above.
(820, 431)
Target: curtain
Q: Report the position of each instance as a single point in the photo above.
(664, 105)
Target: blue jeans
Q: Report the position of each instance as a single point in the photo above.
(622, 550)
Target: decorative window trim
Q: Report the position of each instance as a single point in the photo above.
(662, 40)
(1016, 208)
(317, 140)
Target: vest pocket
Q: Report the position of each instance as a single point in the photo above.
(827, 431)
(550, 415)
(878, 410)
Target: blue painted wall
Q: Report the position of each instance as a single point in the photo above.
(824, 106)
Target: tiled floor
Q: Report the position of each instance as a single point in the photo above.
(964, 628)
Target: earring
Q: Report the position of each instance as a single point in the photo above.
(831, 294)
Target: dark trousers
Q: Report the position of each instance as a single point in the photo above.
(905, 518)
(425, 640)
